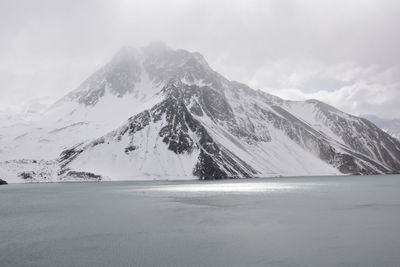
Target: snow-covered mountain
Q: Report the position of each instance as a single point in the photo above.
(155, 112)
(391, 126)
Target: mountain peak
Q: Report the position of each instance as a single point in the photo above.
(157, 46)
(162, 112)
(129, 53)
(137, 71)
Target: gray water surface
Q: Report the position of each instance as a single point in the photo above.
(309, 221)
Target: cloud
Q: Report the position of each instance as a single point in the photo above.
(306, 48)
(358, 99)
(350, 87)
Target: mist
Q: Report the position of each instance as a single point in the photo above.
(342, 52)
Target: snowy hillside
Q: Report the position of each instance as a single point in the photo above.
(158, 113)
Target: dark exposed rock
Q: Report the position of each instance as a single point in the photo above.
(27, 175)
(67, 156)
(130, 148)
(84, 175)
(3, 182)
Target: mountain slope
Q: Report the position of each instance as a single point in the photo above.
(168, 135)
(158, 113)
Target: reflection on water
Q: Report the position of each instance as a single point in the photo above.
(224, 187)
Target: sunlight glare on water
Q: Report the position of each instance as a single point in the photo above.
(224, 187)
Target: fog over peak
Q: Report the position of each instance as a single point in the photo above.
(341, 52)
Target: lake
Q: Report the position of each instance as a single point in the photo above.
(298, 221)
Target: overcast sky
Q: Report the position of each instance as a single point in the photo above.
(344, 52)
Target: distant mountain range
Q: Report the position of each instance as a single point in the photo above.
(159, 113)
(391, 126)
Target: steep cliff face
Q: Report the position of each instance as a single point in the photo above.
(160, 113)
